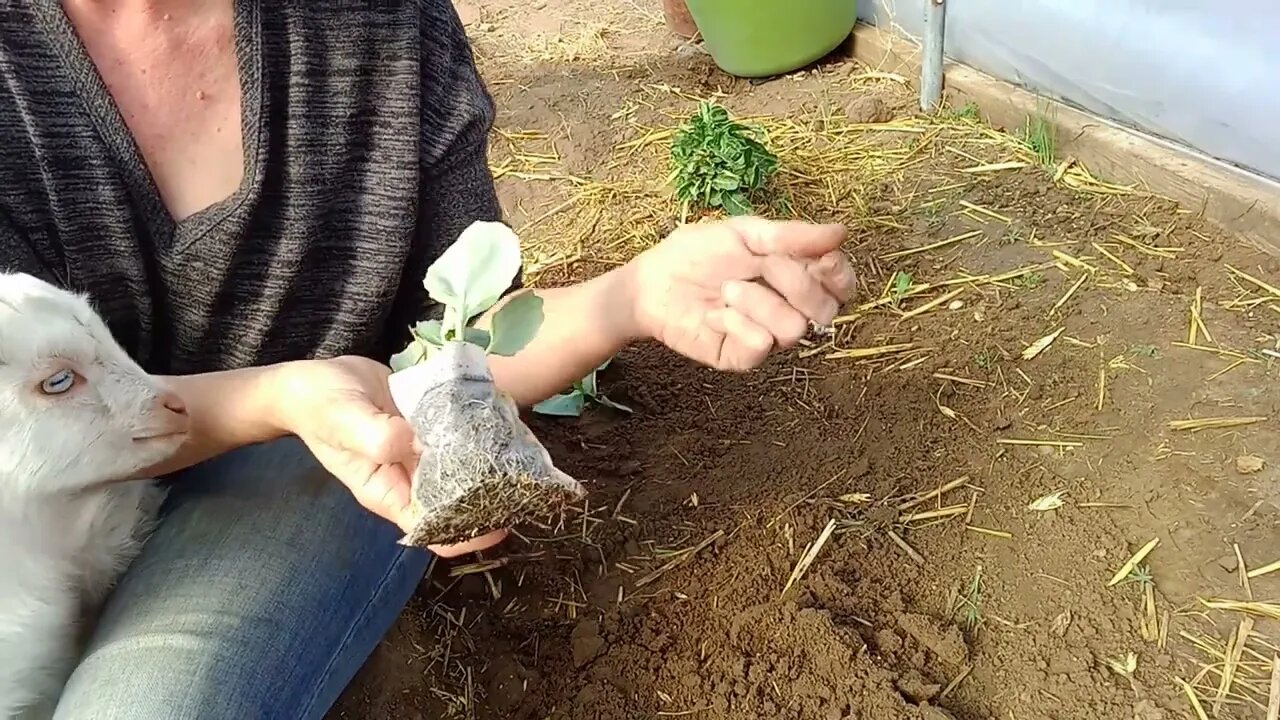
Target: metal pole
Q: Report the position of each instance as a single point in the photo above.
(935, 28)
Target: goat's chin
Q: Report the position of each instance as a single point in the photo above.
(155, 449)
(145, 453)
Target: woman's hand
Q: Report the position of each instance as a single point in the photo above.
(725, 294)
(342, 409)
(728, 293)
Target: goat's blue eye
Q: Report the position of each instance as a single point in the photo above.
(58, 383)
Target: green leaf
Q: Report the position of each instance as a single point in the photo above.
(515, 324)
(725, 181)
(413, 354)
(429, 332)
(601, 399)
(901, 284)
(588, 384)
(735, 204)
(432, 334)
(475, 270)
(479, 337)
(563, 405)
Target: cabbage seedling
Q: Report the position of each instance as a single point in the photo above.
(572, 403)
(481, 468)
(468, 279)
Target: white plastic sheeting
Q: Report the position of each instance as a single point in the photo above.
(1203, 74)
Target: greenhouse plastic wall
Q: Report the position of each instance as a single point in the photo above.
(1205, 75)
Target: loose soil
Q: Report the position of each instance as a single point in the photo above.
(664, 596)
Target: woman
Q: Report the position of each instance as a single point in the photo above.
(251, 191)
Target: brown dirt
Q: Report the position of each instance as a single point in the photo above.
(665, 598)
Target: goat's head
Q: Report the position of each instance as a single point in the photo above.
(75, 409)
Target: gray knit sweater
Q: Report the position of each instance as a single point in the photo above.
(364, 132)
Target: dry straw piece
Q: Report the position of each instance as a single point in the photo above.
(1133, 562)
(1214, 423)
(810, 554)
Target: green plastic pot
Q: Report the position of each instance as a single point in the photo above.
(762, 38)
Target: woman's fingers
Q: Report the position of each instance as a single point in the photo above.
(835, 273)
(484, 542)
(801, 260)
(802, 287)
(745, 343)
(767, 309)
(355, 425)
(787, 237)
(382, 489)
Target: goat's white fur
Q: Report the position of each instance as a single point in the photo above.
(68, 529)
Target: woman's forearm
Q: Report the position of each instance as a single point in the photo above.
(227, 410)
(583, 325)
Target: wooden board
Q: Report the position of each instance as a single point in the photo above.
(1239, 202)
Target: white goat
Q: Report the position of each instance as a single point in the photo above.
(77, 414)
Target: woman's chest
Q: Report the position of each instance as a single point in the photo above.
(304, 257)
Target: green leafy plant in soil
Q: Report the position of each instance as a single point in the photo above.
(968, 606)
(573, 402)
(1040, 137)
(468, 279)
(901, 283)
(1030, 281)
(719, 164)
(969, 112)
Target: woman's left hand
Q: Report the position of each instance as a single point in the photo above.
(728, 293)
(343, 410)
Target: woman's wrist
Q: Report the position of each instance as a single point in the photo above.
(622, 316)
(228, 410)
(237, 407)
(280, 392)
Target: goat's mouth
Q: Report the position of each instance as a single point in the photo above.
(160, 437)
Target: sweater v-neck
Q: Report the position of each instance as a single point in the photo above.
(167, 233)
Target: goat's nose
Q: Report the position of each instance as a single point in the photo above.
(170, 414)
(172, 402)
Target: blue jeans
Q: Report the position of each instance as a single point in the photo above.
(260, 595)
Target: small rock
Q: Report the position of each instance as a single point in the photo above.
(916, 688)
(689, 50)
(887, 642)
(944, 641)
(1228, 563)
(867, 109)
(586, 642)
(1249, 464)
